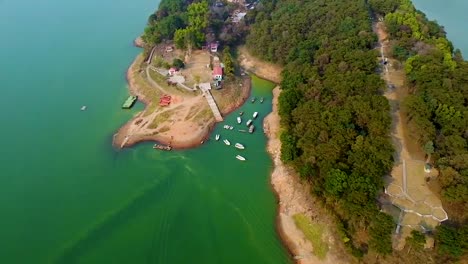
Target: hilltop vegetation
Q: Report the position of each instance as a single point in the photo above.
(436, 109)
(335, 121)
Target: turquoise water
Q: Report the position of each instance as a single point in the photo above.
(450, 14)
(67, 196)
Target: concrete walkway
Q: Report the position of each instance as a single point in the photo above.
(211, 103)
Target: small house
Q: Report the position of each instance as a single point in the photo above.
(214, 47)
(173, 71)
(217, 73)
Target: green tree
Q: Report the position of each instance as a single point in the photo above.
(178, 63)
(448, 241)
(380, 232)
(416, 240)
(428, 149)
(336, 182)
(228, 62)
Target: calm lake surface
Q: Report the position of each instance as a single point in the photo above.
(66, 196)
(452, 15)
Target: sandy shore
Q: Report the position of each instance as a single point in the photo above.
(186, 123)
(295, 198)
(265, 70)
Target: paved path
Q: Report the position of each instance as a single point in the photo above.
(213, 106)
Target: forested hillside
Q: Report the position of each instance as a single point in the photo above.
(335, 121)
(436, 109)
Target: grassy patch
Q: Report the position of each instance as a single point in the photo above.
(231, 92)
(194, 109)
(160, 118)
(313, 233)
(204, 115)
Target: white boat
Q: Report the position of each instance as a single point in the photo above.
(249, 122)
(261, 100)
(226, 142)
(225, 126)
(83, 108)
(239, 120)
(255, 114)
(217, 137)
(231, 128)
(251, 129)
(239, 157)
(239, 146)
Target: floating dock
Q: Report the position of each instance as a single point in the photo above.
(129, 102)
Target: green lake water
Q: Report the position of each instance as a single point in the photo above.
(66, 196)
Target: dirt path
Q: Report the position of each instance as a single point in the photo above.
(407, 187)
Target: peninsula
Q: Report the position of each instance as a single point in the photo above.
(186, 77)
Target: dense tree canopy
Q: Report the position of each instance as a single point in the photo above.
(336, 123)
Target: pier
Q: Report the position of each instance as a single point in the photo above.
(205, 88)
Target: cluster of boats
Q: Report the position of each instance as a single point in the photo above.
(255, 99)
(251, 129)
(236, 145)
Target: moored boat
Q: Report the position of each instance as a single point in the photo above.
(239, 146)
(217, 137)
(241, 113)
(261, 100)
(255, 114)
(239, 157)
(129, 102)
(231, 127)
(249, 122)
(162, 147)
(226, 142)
(239, 120)
(253, 99)
(83, 108)
(251, 129)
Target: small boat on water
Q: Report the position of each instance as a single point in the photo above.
(261, 100)
(255, 114)
(162, 147)
(239, 120)
(251, 129)
(242, 130)
(239, 146)
(217, 137)
(253, 100)
(239, 157)
(231, 128)
(241, 113)
(226, 142)
(83, 108)
(249, 122)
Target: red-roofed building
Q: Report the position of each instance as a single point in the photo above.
(217, 73)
